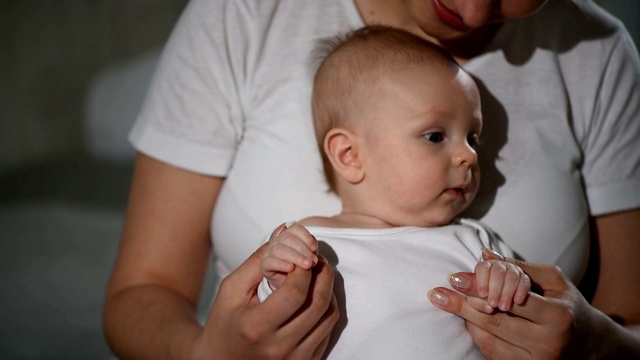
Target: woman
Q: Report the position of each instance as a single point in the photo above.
(226, 143)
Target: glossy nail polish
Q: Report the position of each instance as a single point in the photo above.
(438, 297)
(459, 282)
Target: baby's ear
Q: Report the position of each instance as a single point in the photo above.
(342, 149)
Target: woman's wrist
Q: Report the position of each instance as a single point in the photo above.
(199, 349)
(615, 341)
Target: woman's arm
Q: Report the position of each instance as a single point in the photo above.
(155, 285)
(560, 323)
(618, 285)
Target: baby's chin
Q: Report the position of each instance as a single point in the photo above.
(441, 220)
(469, 197)
(457, 213)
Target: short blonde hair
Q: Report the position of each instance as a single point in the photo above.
(351, 65)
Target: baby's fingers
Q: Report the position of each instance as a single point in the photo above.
(500, 282)
(294, 252)
(304, 236)
(515, 288)
(524, 285)
(490, 280)
(272, 265)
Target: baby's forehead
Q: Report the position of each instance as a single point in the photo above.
(427, 72)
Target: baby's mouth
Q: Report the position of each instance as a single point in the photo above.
(459, 191)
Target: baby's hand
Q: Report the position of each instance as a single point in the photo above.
(501, 283)
(292, 247)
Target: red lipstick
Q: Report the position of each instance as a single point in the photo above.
(447, 16)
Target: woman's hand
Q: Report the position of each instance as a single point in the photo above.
(557, 323)
(295, 322)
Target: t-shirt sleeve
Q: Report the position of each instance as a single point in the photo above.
(611, 166)
(192, 116)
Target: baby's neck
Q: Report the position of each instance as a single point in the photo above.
(347, 220)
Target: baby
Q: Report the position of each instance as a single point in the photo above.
(398, 122)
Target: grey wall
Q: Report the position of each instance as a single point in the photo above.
(49, 52)
(60, 211)
(628, 11)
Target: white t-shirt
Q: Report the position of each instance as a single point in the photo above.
(231, 98)
(382, 277)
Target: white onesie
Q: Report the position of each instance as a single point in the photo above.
(382, 279)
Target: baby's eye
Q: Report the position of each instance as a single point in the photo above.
(434, 137)
(473, 141)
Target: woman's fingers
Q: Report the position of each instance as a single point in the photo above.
(548, 278)
(544, 325)
(245, 278)
(534, 308)
(318, 338)
(457, 304)
(278, 230)
(280, 306)
(319, 301)
(509, 329)
(494, 347)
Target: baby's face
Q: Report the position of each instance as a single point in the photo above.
(419, 138)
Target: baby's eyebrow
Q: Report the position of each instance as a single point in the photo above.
(434, 113)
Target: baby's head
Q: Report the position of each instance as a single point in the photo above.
(352, 66)
(389, 109)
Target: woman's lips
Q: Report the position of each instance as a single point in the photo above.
(447, 16)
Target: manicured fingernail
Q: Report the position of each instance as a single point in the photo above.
(459, 281)
(492, 254)
(438, 298)
(278, 230)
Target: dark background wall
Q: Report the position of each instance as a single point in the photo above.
(49, 53)
(61, 208)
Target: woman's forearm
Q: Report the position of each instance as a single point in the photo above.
(621, 342)
(150, 322)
